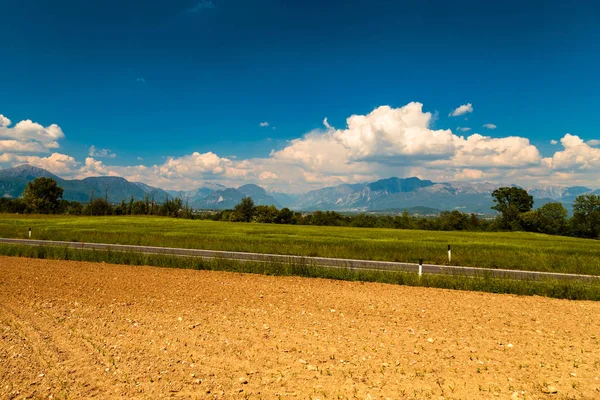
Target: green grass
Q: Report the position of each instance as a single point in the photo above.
(510, 250)
(572, 290)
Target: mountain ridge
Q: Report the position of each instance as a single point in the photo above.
(378, 196)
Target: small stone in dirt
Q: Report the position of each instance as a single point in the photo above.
(301, 361)
(243, 380)
(179, 319)
(510, 345)
(550, 390)
(197, 381)
(430, 340)
(41, 375)
(385, 365)
(311, 367)
(514, 396)
(573, 374)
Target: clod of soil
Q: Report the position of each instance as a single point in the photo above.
(78, 330)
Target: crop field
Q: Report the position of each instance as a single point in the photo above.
(511, 250)
(80, 330)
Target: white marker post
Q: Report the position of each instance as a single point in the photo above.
(449, 255)
(29, 233)
(420, 267)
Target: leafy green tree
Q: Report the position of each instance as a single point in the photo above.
(551, 218)
(453, 220)
(171, 207)
(139, 207)
(130, 206)
(404, 221)
(11, 205)
(244, 211)
(265, 214)
(98, 206)
(511, 202)
(74, 208)
(42, 196)
(285, 216)
(474, 222)
(586, 216)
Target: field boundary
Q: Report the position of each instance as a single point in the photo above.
(316, 261)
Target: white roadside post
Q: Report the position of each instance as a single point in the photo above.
(449, 255)
(420, 267)
(29, 233)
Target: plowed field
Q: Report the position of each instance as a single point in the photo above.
(81, 330)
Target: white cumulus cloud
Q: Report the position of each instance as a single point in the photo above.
(576, 156)
(489, 126)
(462, 110)
(264, 124)
(29, 136)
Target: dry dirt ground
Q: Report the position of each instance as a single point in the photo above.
(82, 330)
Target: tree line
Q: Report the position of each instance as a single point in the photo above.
(514, 205)
(44, 196)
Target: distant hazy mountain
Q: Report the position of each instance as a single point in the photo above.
(285, 199)
(229, 198)
(14, 180)
(558, 192)
(398, 194)
(384, 195)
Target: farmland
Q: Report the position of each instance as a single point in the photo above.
(511, 250)
(78, 330)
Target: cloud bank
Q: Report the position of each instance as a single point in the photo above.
(385, 142)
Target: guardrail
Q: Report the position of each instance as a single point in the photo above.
(317, 261)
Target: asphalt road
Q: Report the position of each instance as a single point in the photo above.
(319, 261)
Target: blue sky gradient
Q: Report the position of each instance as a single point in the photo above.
(156, 79)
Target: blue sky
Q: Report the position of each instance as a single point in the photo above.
(157, 79)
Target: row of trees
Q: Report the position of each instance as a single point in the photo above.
(514, 205)
(246, 211)
(44, 196)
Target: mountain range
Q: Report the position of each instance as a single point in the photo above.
(384, 195)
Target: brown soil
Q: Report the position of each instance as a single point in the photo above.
(79, 330)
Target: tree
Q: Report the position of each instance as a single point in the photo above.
(171, 207)
(586, 216)
(130, 207)
(511, 202)
(98, 206)
(285, 216)
(551, 219)
(42, 196)
(265, 214)
(453, 220)
(244, 211)
(139, 207)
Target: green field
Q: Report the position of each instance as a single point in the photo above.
(511, 250)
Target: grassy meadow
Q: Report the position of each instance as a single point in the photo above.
(511, 250)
